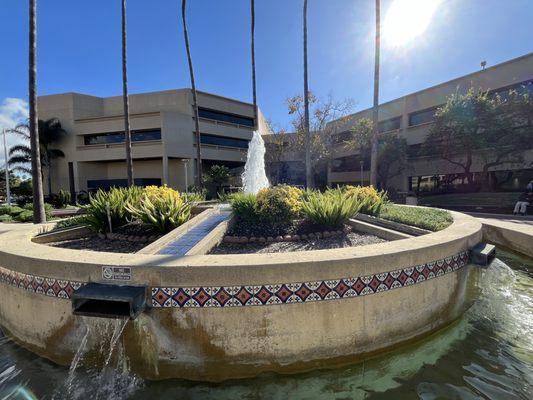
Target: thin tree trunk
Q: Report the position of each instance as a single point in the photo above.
(39, 215)
(127, 132)
(254, 92)
(308, 170)
(375, 110)
(49, 168)
(199, 179)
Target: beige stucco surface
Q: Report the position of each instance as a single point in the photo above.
(219, 343)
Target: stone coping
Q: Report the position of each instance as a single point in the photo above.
(18, 253)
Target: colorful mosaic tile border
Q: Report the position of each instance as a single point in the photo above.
(286, 293)
(268, 294)
(39, 284)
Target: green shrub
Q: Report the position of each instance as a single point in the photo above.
(426, 218)
(72, 221)
(63, 199)
(25, 216)
(47, 209)
(371, 201)
(244, 207)
(113, 202)
(279, 205)
(330, 209)
(194, 197)
(6, 218)
(10, 210)
(162, 207)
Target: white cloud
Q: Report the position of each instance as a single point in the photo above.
(12, 112)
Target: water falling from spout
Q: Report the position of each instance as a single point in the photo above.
(254, 176)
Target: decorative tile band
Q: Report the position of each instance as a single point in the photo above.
(268, 294)
(286, 293)
(39, 284)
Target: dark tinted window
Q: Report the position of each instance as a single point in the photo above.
(118, 137)
(422, 117)
(225, 117)
(390, 124)
(223, 141)
(348, 163)
(342, 137)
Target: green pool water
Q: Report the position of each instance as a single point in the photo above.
(487, 354)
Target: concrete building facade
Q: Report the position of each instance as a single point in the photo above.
(411, 117)
(163, 140)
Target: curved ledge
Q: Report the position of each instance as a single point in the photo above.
(197, 328)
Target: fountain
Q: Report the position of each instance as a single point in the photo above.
(254, 176)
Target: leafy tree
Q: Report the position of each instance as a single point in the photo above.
(50, 131)
(327, 116)
(218, 175)
(392, 156)
(494, 129)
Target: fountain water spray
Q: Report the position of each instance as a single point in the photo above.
(254, 176)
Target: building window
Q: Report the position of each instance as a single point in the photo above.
(222, 141)
(118, 137)
(422, 117)
(225, 117)
(342, 137)
(348, 164)
(390, 124)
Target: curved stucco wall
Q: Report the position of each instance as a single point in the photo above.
(222, 316)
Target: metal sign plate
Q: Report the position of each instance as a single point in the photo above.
(116, 273)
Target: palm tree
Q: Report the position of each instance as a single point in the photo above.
(254, 93)
(375, 110)
(50, 131)
(39, 215)
(308, 172)
(127, 133)
(199, 181)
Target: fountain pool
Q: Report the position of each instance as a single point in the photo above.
(484, 355)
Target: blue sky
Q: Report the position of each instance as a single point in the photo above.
(79, 48)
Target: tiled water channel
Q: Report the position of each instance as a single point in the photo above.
(187, 241)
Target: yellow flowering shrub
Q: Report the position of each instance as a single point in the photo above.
(162, 207)
(280, 204)
(370, 199)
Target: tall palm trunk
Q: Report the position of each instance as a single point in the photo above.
(127, 132)
(252, 33)
(199, 179)
(375, 110)
(308, 170)
(39, 215)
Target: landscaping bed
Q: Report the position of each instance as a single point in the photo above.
(350, 239)
(420, 217)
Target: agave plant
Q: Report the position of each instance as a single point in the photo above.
(163, 208)
(107, 210)
(330, 209)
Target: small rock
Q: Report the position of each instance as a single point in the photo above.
(318, 235)
(270, 239)
(252, 239)
(287, 238)
(326, 234)
(228, 239)
(111, 235)
(311, 236)
(347, 229)
(262, 239)
(101, 235)
(144, 238)
(243, 240)
(303, 237)
(279, 239)
(152, 238)
(296, 237)
(339, 232)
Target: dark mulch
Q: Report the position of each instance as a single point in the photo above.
(296, 227)
(348, 240)
(94, 243)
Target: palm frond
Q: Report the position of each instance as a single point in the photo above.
(55, 153)
(18, 160)
(21, 169)
(20, 149)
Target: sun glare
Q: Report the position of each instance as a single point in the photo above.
(407, 19)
